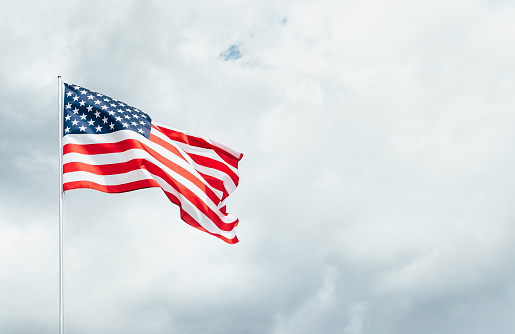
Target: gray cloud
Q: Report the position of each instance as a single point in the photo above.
(375, 190)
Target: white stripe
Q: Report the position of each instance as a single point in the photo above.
(106, 138)
(108, 180)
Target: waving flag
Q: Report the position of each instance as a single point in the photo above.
(113, 147)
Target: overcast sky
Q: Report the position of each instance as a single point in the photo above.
(376, 188)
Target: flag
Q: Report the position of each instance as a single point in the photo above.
(113, 147)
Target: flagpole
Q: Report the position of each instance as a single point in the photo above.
(61, 255)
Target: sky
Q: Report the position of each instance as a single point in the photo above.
(376, 188)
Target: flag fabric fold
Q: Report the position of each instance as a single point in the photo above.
(113, 147)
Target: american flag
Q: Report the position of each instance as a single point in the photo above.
(113, 147)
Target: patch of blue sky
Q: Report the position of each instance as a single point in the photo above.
(232, 53)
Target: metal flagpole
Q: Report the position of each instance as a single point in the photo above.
(61, 269)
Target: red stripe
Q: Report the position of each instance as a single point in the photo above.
(199, 142)
(155, 170)
(121, 188)
(103, 148)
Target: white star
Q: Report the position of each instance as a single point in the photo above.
(118, 118)
(75, 98)
(90, 97)
(97, 114)
(97, 102)
(135, 116)
(141, 122)
(134, 123)
(111, 112)
(104, 107)
(83, 92)
(104, 119)
(74, 122)
(128, 110)
(99, 128)
(69, 106)
(98, 94)
(125, 125)
(106, 100)
(140, 131)
(127, 116)
(91, 122)
(67, 130)
(83, 116)
(82, 128)
(113, 105)
(121, 104)
(120, 111)
(67, 117)
(82, 103)
(69, 94)
(77, 87)
(111, 126)
(75, 111)
(89, 108)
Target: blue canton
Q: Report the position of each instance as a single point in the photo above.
(86, 111)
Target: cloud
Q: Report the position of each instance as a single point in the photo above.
(375, 190)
